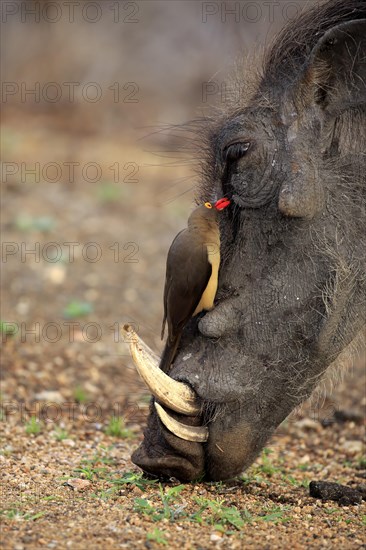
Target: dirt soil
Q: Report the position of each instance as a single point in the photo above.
(73, 408)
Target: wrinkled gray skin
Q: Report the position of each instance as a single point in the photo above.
(292, 281)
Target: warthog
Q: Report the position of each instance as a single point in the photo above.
(292, 160)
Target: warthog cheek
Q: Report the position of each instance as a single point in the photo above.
(229, 450)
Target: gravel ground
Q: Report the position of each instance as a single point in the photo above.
(74, 409)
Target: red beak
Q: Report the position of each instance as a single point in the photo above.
(222, 203)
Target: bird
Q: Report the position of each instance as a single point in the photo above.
(192, 269)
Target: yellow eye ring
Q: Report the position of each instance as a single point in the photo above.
(208, 205)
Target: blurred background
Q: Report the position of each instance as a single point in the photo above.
(93, 191)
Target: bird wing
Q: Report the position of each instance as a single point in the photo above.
(167, 283)
(188, 273)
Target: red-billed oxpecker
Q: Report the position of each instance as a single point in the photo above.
(192, 270)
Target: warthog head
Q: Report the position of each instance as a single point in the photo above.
(292, 159)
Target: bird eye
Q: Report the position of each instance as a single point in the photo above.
(235, 151)
(208, 205)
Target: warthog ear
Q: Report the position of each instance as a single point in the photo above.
(332, 81)
(335, 75)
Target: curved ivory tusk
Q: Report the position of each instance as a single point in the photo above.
(189, 433)
(175, 395)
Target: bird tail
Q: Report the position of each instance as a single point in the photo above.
(169, 352)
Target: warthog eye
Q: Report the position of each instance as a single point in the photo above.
(235, 151)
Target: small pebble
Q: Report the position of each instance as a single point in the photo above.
(78, 484)
(353, 447)
(68, 442)
(55, 274)
(51, 396)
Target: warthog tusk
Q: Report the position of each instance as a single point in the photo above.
(189, 433)
(175, 395)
